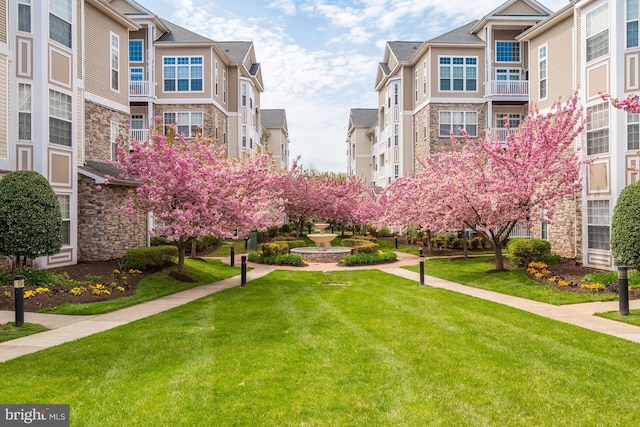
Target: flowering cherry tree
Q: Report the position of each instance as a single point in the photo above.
(348, 200)
(194, 190)
(630, 104)
(491, 186)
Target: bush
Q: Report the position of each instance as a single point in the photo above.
(365, 247)
(273, 231)
(285, 228)
(553, 259)
(524, 251)
(354, 242)
(151, 257)
(274, 249)
(456, 243)
(285, 259)
(294, 243)
(378, 257)
(372, 230)
(207, 242)
(384, 232)
(158, 241)
(625, 227)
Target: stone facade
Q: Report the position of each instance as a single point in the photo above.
(105, 231)
(209, 129)
(427, 125)
(97, 130)
(565, 230)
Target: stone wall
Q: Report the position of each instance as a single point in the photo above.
(97, 130)
(105, 231)
(209, 118)
(428, 119)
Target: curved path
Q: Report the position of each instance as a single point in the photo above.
(69, 328)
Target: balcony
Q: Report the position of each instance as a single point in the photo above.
(139, 88)
(139, 135)
(500, 134)
(508, 88)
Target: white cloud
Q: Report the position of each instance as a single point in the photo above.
(287, 6)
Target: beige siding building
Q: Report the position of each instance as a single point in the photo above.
(275, 136)
(361, 141)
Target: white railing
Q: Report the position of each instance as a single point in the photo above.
(140, 135)
(509, 87)
(519, 231)
(500, 134)
(139, 88)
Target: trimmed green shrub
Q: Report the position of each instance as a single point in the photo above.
(274, 249)
(524, 251)
(369, 258)
(625, 227)
(30, 216)
(365, 247)
(354, 242)
(384, 232)
(553, 259)
(456, 243)
(285, 259)
(151, 257)
(206, 242)
(273, 231)
(292, 243)
(158, 241)
(285, 228)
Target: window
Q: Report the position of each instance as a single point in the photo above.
(416, 84)
(457, 120)
(24, 111)
(396, 133)
(135, 50)
(24, 15)
(115, 62)
(458, 74)
(503, 74)
(244, 135)
(396, 93)
(136, 74)
(507, 51)
(633, 132)
(598, 32)
(60, 21)
(224, 85)
(113, 138)
(396, 171)
(65, 210)
(544, 226)
(188, 122)
(216, 78)
(424, 77)
(182, 73)
(598, 129)
(632, 23)
(59, 118)
(598, 221)
(137, 121)
(244, 94)
(542, 71)
(513, 120)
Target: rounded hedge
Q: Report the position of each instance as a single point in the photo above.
(524, 251)
(625, 227)
(30, 217)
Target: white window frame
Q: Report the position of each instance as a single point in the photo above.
(224, 86)
(515, 51)
(452, 68)
(216, 78)
(64, 201)
(633, 132)
(543, 72)
(424, 78)
(60, 112)
(114, 58)
(598, 219)
(187, 122)
(24, 112)
(61, 10)
(191, 66)
(631, 20)
(24, 6)
(597, 31)
(244, 136)
(598, 129)
(114, 135)
(455, 126)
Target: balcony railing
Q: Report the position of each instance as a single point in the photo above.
(508, 88)
(139, 135)
(139, 88)
(500, 134)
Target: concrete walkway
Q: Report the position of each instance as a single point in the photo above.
(65, 328)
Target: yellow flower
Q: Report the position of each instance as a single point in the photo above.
(121, 288)
(7, 294)
(28, 294)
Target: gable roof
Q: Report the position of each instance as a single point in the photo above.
(460, 35)
(177, 34)
(363, 117)
(403, 51)
(273, 118)
(236, 51)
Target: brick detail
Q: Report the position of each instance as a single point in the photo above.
(565, 230)
(105, 231)
(97, 130)
(209, 118)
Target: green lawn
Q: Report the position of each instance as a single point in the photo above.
(225, 249)
(157, 285)
(475, 272)
(10, 332)
(633, 318)
(291, 350)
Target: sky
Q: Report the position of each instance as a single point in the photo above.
(319, 58)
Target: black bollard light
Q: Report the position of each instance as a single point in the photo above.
(246, 243)
(396, 242)
(18, 286)
(232, 262)
(243, 270)
(623, 290)
(421, 268)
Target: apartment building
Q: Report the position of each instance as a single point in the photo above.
(475, 77)
(361, 141)
(592, 47)
(81, 77)
(275, 134)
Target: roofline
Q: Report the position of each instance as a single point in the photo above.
(542, 26)
(503, 6)
(115, 15)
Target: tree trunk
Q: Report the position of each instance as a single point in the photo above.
(182, 249)
(465, 244)
(497, 250)
(429, 242)
(194, 247)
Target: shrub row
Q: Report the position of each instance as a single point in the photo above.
(151, 257)
(283, 259)
(292, 243)
(362, 258)
(524, 251)
(202, 243)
